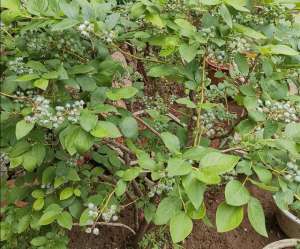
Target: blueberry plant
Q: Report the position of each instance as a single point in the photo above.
(89, 127)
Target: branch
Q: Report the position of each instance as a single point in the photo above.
(148, 126)
(112, 225)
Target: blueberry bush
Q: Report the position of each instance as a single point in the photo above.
(149, 103)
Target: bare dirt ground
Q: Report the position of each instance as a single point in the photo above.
(202, 237)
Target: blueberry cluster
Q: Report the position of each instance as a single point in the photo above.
(263, 15)
(224, 54)
(45, 115)
(165, 186)
(86, 28)
(239, 44)
(46, 186)
(95, 230)
(49, 44)
(41, 110)
(208, 32)
(156, 103)
(109, 36)
(293, 172)
(283, 111)
(93, 214)
(211, 120)
(71, 112)
(19, 67)
(110, 214)
(220, 91)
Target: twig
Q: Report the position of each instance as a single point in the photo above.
(148, 126)
(99, 223)
(119, 145)
(231, 149)
(177, 120)
(16, 97)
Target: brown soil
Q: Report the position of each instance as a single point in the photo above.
(202, 237)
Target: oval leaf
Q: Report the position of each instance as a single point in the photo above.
(236, 194)
(181, 226)
(228, 217)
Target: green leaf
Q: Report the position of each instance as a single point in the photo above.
(105, 129)
(228, 217)
(196, 153)
(270, 128)
(186, 28)
(23, 223)
(178, 167)
(181, 226)
(280, 49)
(129, 127)
(242, 64)
(121, 93)
(292, 131)
(29, 161)
(207, 177)
(84, 218)
(38, 204)
(37, 7)
(137, 10)
(39, 241)
(194, 189)
(218, 163)
(162, 71)
(149, 212)
(66, 193)
(71, 9)
(166, 209)
(248, 31)
(77, 192)
(256, 216)
(210, 2)
(120, 188)
(28, 77)
(187, 102)
(64, 24)
(48, 217)
(226, 15)
(238, 4)
(131, 173)
(196, 214)
(264, 186)
(188, 52)
(263, 174)
(83, 141)
(23, 128)
(171, 142)
(11, 4)
(75, 209)
(81, 69)
(15, 162)
(145, 161)
(236, 194)
(41, 83)
(65, 220)
(155, 19)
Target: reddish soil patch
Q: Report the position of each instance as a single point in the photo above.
(108, 238)
(202, 237)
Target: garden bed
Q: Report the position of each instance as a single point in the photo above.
(202, 236)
